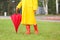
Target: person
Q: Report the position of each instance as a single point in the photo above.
(29, 8)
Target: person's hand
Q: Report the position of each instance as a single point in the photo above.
(17, 10)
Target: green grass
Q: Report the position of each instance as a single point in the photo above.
(47, 31)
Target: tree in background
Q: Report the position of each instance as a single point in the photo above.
(3, 6)
(9, 6)
(49, 6)
(45, 6)
(52, 6)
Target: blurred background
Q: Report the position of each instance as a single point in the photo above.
(46, 7)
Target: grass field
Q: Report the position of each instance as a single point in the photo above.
(47, 31)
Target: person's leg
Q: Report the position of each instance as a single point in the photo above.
(36, 29)
(28, 29)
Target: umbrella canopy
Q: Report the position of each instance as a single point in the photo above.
(16, 19)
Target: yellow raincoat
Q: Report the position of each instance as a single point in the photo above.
(28, 14)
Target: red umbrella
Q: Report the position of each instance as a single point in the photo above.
(16, 19)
